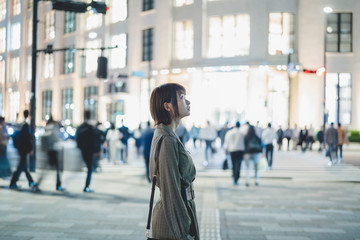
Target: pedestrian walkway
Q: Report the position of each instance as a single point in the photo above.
(300, 199)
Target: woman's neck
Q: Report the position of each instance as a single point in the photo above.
(174, 124)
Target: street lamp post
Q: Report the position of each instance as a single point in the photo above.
(326, 11)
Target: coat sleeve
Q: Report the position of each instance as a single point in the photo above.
(176, 213)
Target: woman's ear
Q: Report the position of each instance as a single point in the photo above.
(167, 106)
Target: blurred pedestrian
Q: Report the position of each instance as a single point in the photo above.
(86, 142)
(253, 148)
(288, 136)
(146, 139)
(209, 134)
(23, 143)
(267, 138)
(235, 146)
(174, 215)
(223, 132)
(99, 141)
(331, 139)
(295, 136)
(125, 136)
(5, 170)
(194, 134)
(310, 137)
(280, 137)
(114, 143)
(303, 139)
(49, 144)
(137, 136)
(320, 138)
(342, 138)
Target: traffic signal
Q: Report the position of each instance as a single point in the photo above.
(319, 72)
(101, 71)
(79, 7)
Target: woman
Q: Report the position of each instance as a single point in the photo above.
(174, 215)
(253, 148)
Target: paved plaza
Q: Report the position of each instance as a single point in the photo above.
(300, 199)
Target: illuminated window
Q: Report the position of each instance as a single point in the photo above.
(339, 32)
(91, 102)
(339, 97)
(184, 40)
(14, 106)
(119, 10)
(2, 40)
(147, 5)
(15, 36)
(30, 3)
(15, 69)
(50, 25)
(67, 96)
(2, 9)
(27, 97)
(179, 3)
(92, 55)
(70, 22)
(93, 20)
(229, 36)
(281, 33)
(46, 104)
(49, 65)
(16, 7)
(30, 29)
(69, 61)
(147, 44)
(118, 55)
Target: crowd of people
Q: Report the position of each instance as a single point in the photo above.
(112, 143)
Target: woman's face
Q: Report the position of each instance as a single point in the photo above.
(183, 105)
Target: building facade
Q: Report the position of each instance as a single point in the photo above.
(238, 59)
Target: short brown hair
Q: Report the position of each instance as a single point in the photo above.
(160, 95)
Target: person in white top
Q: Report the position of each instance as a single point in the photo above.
(235, 145)
(267, 138)
(113, 139)
(209, 134)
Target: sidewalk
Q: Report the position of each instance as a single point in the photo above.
(300, 199)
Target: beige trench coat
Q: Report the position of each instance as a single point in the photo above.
(174, 217)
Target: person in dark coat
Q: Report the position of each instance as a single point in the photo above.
(146, 139)
(86, 141)
(24, 148)
(126, 134)
(5, 170)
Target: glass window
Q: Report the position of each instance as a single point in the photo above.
(70, 22)
(147, 44)
(2, 71)
(69, 61)
(16, 7)
(50, 25)
(49, 65)
(118, 57)
(179, 3)
(339, 32)
(2, 9)
(91, 101)
(92, 55)
(147, 5)
(2, 40)
(15, 69)
(93, 20)
(339, 97)
(281, 33)
(119, 10)
(30, 30)
(114, 109)
(46, 104)
(229, 36)
(30, 3)
(14, 106)
(67, 95)
(15, 36)
(184, 40)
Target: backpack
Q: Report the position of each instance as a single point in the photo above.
(254, 145)
(85, 137)
(16, 136)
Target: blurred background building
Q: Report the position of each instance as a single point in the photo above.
(252, 60)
